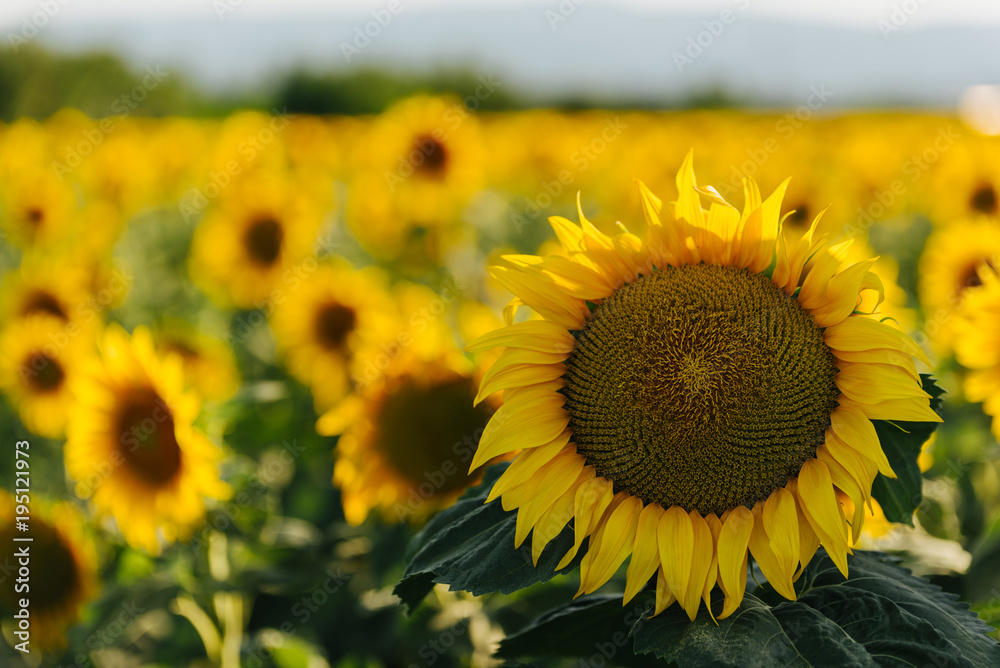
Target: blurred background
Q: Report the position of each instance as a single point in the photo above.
(296, 201)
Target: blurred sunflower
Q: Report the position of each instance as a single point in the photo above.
(976, 330)
(324, 320)
(419, 164)
(53, 285)
(406, 439)
(64, 553)
(131, 444)
(949, 266)
(36, 207)
(37, 362)
(250, 243)
(209, 366)
(693, 397)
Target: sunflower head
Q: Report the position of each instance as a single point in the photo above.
(131, 445)
(407, 436)
(61, 548)
(695, 396)
(38, 358)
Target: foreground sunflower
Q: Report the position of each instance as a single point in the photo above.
(61, 549)
(694, 396)
(131, 444)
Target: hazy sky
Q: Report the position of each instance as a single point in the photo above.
(844, 12)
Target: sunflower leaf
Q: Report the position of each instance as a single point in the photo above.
(470, 547)
(880, 616)
(591, 627)
(901, 442)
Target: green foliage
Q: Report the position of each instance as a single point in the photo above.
(880, 616)
(369, 91)
(37, 83)
(470, 547)
(901, 442)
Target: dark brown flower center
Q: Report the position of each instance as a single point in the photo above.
(42, 301)
(147, 437)
(54, 578)
(984, 199)
(263, 240)
(333, 323)
(433, 156)
(700, 386)
(423, 429)
(43, 374)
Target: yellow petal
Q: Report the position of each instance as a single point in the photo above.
(552, 521)
(526, 465)
(664, 597)
(881, 356)
(569, 234)
(701, 563)
(808, 540)
(877, 382)
(732, 550)
(819, 505)
(537, 335)
(517, 375)
(645, 553)
(675, 535)
(526, 426)
(550, 483)
(770, 564)
(859, 332)
(857, 431)
(611, 544)
(591, 500)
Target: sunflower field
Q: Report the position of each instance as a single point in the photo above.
(445, 387)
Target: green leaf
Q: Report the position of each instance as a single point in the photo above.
(789, 634)
(901, 442)
(591, 627)
(470, 547)
(880, 616)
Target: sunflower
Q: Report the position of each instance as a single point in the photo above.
(693, 396)
(976, 332)
(406, 438)
(63, 568)
(59, 288)
(131, 445)
(37, 362)
(949, 266)
(418, 165)
(209, 366)
(36, 207)
(323, 321)
(255, 239)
